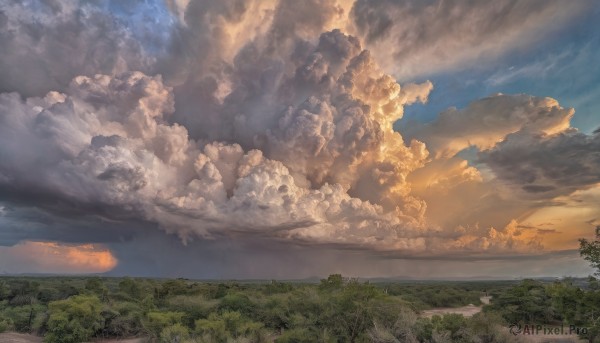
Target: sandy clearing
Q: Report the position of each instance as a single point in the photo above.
(12, 337)
(467, 311)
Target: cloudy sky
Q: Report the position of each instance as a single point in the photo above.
(290, 139)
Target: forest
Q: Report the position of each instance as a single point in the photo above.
(337, 309)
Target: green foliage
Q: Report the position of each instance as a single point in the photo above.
(452, 323)
(194, 307)
(22, 317)
(174, 287)
(67, 289)
(23, 287)
(174, 334)
(527, 302)
(590, 250)
(4, 290)
(275, 312)
(74, 320)
(213, 328)
(123, 319)
(401, 330)
(424, 296)
(593, 332)
(156, 321)
(337, 309)
(48, 294)
(228, 325)
(96, 286)
(301, 335)
(40, 322)
(237, 302)
(276, 287)
(566, 300)
(488, 327)
(131, 288)
(350, 310)
(5, 323)
(333, 282)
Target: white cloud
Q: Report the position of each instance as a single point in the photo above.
(486, 122)
(415, 39)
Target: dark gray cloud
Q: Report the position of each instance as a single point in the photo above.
(47, 43)
(547, 166)
(20, 223)
(252, 258)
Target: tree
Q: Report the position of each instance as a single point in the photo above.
(155, 322)
(590, 250)
(487, 328)
(5, 324)
(131, 288)
(96, 286)
(74, 320)
(567, 301)
(174, 334)
(333, 282)
(228, 325)
(238, 302)
(4, 290)
(526, 302)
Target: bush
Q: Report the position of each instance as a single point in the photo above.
(155, 322)
(222, 327)
(22, 317)
(195, 307)
(4, 290)
(297, 336)
(174, 334)
(237, 302)
(5, 323)
(123, 319)
(131, 288)
(74, 320)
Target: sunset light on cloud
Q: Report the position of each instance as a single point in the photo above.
(51, 257)
(278, 139)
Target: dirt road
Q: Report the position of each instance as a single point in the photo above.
(467, 311)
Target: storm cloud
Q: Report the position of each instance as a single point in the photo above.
(268, 124)
(547, 165)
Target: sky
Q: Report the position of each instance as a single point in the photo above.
(229, 139)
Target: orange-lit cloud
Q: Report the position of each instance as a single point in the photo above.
(52, 257)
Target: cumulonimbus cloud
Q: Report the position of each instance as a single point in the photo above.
(253, 118)
(107, 144)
